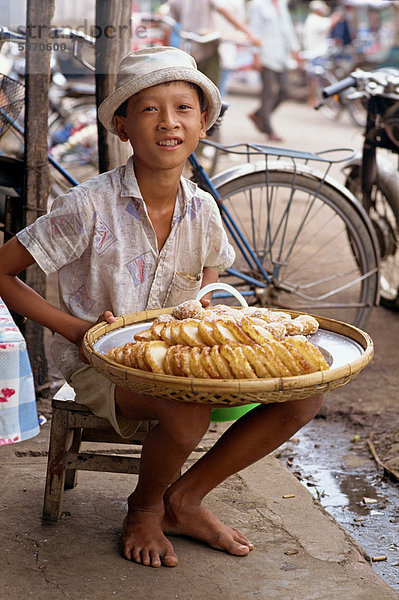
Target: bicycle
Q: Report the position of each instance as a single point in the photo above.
(373, 177)
(302, 240)
(72, 122)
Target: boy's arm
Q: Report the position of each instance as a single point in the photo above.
(208, 276)
(14, 258)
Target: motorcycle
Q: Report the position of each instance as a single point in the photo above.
(373, 175)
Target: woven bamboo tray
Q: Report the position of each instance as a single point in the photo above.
(230, 392)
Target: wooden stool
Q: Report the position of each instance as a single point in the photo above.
(71, 424)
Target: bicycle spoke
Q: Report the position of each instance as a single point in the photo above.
(334, 291)
(311, 242)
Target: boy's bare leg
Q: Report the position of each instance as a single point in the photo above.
(164, 451)
(249, 439)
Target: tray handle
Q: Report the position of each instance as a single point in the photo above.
(225, 287)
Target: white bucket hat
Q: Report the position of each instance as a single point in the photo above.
(147, 67)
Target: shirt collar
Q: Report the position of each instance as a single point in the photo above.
(129, 185)
(130, 188)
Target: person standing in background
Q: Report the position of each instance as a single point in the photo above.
(230, 39)
(200, 17)
(316, 42)
(270, 20)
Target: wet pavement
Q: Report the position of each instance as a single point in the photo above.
(331, 460)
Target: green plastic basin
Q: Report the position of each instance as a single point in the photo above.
(231, 413)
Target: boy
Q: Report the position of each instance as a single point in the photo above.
(141, 236)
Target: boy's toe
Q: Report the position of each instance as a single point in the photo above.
(146, 558)
(127, 553)
(136, 555)
(242, 539)
(154, 559)
(170, 560)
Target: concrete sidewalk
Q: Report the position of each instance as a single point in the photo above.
(300, 553)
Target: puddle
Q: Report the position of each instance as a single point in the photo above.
(347, 482)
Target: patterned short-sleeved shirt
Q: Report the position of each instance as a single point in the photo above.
(101, 241)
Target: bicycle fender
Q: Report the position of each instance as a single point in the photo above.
(278, 165)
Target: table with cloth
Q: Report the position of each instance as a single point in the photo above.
(18, 413)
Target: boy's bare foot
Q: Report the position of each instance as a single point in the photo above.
(198, 522)
(143, 539)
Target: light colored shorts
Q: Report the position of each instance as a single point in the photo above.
(98, 393)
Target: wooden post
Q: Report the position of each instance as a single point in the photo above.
(113, 31)
(36, 181)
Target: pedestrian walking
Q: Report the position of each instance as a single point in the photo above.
(271, 22)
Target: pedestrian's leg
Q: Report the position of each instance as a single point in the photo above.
(261, 117)
(267, 99)
(283, 90)
(249, 439)
(165, 449)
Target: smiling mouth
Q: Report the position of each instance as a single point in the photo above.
(169, 143)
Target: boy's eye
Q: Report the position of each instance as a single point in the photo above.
(149, 108)
(184, 107)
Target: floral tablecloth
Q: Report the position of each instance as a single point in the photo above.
(18, 414)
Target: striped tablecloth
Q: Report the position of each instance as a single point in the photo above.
(18, 414)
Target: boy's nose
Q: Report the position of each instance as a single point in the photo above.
(168, 120)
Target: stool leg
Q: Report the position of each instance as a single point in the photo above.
(71, 475)
(55, 478)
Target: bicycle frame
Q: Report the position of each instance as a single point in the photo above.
(247, 252)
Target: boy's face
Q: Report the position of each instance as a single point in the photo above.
(163, 124)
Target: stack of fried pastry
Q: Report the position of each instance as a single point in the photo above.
(224, 343)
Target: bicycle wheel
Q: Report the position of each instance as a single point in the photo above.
(72, 138)
(306, 238)
(384, 213)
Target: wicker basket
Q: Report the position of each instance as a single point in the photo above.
(232, 392)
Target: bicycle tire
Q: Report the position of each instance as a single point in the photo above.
(313, 243)
(385, 218)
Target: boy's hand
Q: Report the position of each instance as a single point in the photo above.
(107, 316)
(206, 300)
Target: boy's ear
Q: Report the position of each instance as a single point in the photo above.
(203, 127)
(119, 125)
